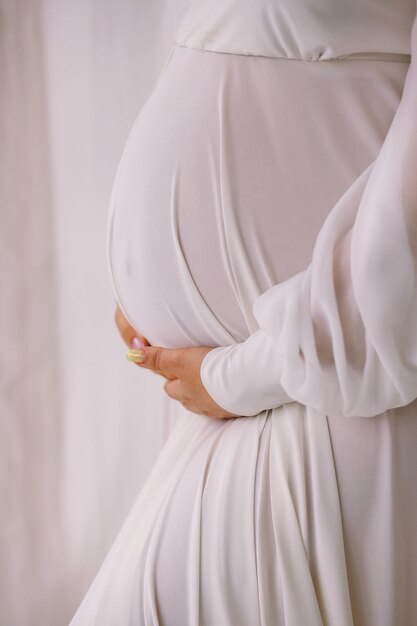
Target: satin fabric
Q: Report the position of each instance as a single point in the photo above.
(316, 30)
(247, 215)
(345, 327)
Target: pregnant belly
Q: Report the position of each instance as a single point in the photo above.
(228, 174)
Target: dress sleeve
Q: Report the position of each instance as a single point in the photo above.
(341, 336)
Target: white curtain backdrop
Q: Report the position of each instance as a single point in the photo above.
(80, 425)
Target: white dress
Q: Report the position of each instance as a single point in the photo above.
(266, 205)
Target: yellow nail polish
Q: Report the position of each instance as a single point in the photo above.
(136, 356)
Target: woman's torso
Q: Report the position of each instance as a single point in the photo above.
(231, 167)
(255, 128)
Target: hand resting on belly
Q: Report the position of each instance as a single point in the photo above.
(181, 368)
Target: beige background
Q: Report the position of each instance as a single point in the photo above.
(80, 425)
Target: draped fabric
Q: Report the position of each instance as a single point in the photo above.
(245, 215)
(76, 437)
(31, 527)
(344, 329)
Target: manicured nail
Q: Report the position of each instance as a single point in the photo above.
(136, 356)
(137, 343)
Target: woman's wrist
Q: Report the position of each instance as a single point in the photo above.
(244, 378)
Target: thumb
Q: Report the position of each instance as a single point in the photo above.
(153, 358)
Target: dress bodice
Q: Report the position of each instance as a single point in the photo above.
(308, 30)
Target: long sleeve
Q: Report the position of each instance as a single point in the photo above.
(341, 336)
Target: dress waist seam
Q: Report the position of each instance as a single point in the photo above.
(394, 57)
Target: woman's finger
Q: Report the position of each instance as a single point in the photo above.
(172, 389)
(170, 361)
(127, 332)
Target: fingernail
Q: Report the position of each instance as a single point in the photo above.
(136, 356)
(137, 343)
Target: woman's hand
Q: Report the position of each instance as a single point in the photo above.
(181, 368)
(127, 332)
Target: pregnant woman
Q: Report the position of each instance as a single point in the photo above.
(263, 239)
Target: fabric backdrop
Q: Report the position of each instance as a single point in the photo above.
(80, 425)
